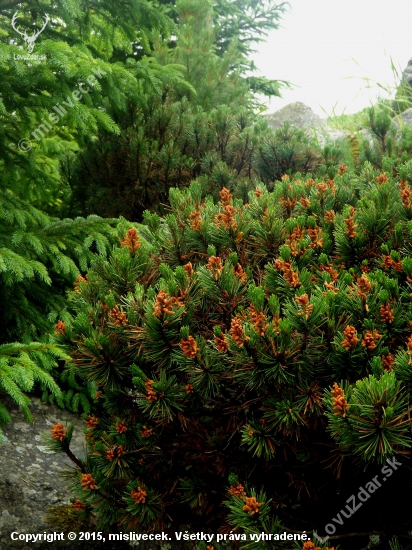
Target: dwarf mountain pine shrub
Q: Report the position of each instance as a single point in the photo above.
(250, 359)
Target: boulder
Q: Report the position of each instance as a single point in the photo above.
(404, 118)
(403, 97)
(31, 481)
(407, 73)
(31, 476)
(300, 115)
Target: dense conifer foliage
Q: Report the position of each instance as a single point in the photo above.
(42, 250)
(247, 356)
(71, 72)
(204, 125)
(241, 339)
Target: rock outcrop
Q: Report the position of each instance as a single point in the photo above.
(407, 73)
(31, 476)
(301, 115)
(404, 118)
(298, 114)
(31, 481)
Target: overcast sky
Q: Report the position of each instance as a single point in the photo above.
(328, 48)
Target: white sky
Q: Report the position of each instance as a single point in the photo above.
(329, 48)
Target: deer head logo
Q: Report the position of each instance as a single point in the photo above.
(29, 39)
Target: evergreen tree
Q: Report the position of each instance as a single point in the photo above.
(248, 357)
(21, 366)
(216, 79)
(171, 137)
(56, 99)
(49, 102)
(168, 143)
(238, 26)
(203, 126)
(40, 257)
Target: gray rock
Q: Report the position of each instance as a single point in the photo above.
(407, 73)
(31, 481)
(300, 115)
(31, 476)
(404, 118)
(364, 133)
